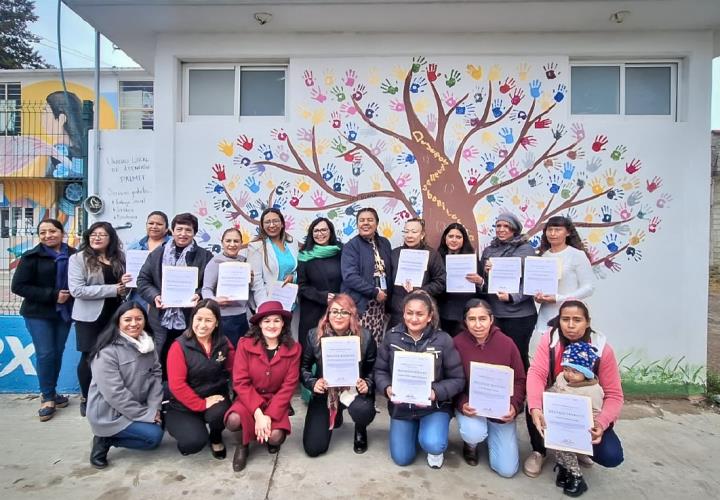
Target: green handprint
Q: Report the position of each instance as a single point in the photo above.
(389, 88)
(339, 93)
(418, 62)
(452, 78)
(338, 146)
(332, 214)
(214, 222)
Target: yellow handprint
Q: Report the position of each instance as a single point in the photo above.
(318, 116)
(475, 72)
(596, 186)
(459, 131)
(483, 215)
(630, 184)
(596, 235)
(376, 185)
(392, 122)
(546, 101)
(374, 77)
(307, 150)
(225, 147)
(494, 73)
(523, 71)
(540, 203)
(637, 238)
(270, 183)
(488, 138)
(304, 112)
(329, 78)
(245, 234)
(421, 105)
(386, 230)
(590, 214)
(303, 185)
(322, 146)
(232, 183)
(516, 199)
(610, 177)
(396, 147)
(399, 72)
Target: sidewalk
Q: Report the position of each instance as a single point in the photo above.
(672, 451)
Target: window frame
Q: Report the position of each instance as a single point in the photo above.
(675, 69)
(17, 119)
(122, 108)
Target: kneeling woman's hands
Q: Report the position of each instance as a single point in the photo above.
(263, 426)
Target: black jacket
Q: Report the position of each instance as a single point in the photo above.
(449, 374)
(316, 278)
(34, 280)
(312, 355)
(358, 268)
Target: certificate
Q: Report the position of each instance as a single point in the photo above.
(569, 420)
(412, 376)
(178, 285)
(457, 267)
(284, 294)
(341, 360)
(505, 275)
(412, 265)
(233, 280)
(134, 260)
(490, 389)
(541, 275)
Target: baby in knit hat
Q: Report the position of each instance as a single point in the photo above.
(578, 378)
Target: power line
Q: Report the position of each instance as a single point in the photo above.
(71, 51)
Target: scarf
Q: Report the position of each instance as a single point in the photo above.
(144, 343)
(61, 278)
(335, 395)
(173, 318)
(318, 252)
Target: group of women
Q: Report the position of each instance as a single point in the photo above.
(228, 370)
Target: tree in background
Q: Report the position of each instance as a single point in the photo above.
(16, 40)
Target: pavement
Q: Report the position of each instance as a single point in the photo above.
(671, 449)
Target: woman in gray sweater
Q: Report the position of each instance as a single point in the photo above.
(126, 391)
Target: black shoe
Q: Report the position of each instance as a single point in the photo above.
(98, 454)
(240, 457)
(562, 476)
(360, 444)
(470, 454)
(575, 486)
(220, 454)
(338, 419)
(83, 407)
(61, 401)
(273, 448)
(291, 411)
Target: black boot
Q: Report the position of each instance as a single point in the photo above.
(360, 444)
(575, 485)
(470, 454)
(562, 476)
(98, 454)
(338, 419)
(240, 457)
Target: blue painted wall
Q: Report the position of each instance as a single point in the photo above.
(17, 359)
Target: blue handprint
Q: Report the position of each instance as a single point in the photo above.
(352, 210)
(568, 170)
(644, 212)
(408, 158)
(357, 169)
(203, 235)
(554, 184)
(266, 151)
(610, 242)
(489, 162)
(349, 227)
(535, 241)
(279, 203)
(338, 184)
(257, 169)
(460, 110)
(492, 199)
(616, 193)
(634, 198)
(497, 108)
(606, 213)
(560, 92)
(350, 131)
(252, 184)
(535, 89)
(372, 110)
(214, 187)
(417, 84)
(329, 172)
(507, 134)
(280, 189)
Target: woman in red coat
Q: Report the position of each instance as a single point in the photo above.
(265, 374)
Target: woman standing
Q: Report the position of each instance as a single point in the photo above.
(233, 320)
(574, 326)
(41, 278)
(483, 342)
(434, 278)
(126, 391)
(168, 323)
(319, 275)
(157, 233)
(199, 371)
(97, 278)
(265, 374)
(560, 240)
(366, 265)
(326, 406)
(514, 313)
(455, 241)
(410, 423)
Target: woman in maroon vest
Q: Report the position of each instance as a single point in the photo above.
(199, 370)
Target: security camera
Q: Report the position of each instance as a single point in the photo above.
(262, 18)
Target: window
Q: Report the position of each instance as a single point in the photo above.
(630, 89)
(136, 105)
(10, 109)
(214, 90)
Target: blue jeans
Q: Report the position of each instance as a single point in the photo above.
(608, 452)
(234, 327)
(502, 441)
(139, 436)
(49, 337)
(431, 431)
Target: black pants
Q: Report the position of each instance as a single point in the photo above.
(171, 335)
(190, 429)
(317, 433)
(520, 330)
(536, 440)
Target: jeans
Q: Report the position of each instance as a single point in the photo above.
(234, 327)
(49, 337)
(138, 436)
(431, 431)
(502, 441)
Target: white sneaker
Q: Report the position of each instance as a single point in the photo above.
(585, 460)
(435, 461)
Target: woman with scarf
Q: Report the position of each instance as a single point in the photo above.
(325, 411)
(126, 391)
(366, 265)
(41, 278)
(97, 279)
(514, 313)
(168, 323)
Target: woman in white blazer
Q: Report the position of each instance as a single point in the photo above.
(97, 279)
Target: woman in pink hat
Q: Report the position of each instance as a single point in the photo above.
(265, 374)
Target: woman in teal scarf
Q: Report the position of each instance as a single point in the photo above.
(319, 275)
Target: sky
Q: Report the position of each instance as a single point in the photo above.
(78, 42)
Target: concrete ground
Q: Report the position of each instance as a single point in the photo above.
(672, 451)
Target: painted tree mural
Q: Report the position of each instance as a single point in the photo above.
(444, 144)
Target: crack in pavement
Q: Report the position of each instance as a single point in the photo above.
(272, 475)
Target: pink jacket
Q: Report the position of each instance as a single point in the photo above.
(608, 376)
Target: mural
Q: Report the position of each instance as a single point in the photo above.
(458, 143)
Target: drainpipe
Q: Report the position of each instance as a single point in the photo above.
(96, 116)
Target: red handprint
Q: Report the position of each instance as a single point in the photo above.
(335, 119)
(350, 157)
(516, 97)
(599, 143)
(432, 74)
(543, 123)
(527, 140)
(277, 133)
(507, 86)
(245, 142)
(309, 80)
(612, 265)
(655, 183)
(654, 223)
(219, 171)
(633, 166)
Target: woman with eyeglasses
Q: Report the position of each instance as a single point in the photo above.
(97, 279)
(434, 278)
(319, 275)
(325, 411)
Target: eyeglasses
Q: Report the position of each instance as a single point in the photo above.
(98, 236)
(321, 230)
(339, 312)
(274, 222)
